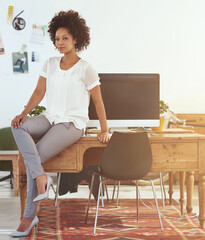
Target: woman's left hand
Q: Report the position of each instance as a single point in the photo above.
(103, 137)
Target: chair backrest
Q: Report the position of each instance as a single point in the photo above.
(127, 156)
(7, 141)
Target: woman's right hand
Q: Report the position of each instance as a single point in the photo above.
(18, 120)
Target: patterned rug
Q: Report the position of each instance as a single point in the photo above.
(67, 221)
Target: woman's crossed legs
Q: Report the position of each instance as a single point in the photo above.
(53, 139)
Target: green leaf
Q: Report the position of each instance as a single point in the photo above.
(163, 107)
(36, 111)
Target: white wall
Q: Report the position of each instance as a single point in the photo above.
(134, 36)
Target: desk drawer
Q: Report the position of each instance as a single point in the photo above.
(174, 156)
(65, 161)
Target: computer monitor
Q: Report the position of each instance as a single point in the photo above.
(131, 100)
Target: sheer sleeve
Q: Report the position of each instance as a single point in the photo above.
(91, 78)
(44, 70)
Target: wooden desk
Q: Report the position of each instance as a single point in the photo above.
(173, 130)
(171, 152)
(190, 177)
(12, 156)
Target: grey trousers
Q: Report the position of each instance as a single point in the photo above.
(53, 139)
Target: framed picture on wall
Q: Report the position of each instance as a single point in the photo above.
(1, 46)
(39, 33)
(35, 56)
(20, 62)
(17, 18)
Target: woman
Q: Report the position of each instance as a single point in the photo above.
(68, 81)
(21, 62)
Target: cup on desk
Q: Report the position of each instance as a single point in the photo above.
(160, 128)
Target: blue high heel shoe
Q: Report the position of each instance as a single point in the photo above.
(46, 193)
(34, 223)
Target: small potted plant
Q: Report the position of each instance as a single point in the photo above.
(163, 107)
(36, 111)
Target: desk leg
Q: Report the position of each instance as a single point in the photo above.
(182, 184)
(15, 165)
(201, 190)
(189, 190)
(170, 187)
(23, 184)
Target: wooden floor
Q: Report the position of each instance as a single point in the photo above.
(10, 205)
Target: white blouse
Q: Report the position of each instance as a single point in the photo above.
(67, 91)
